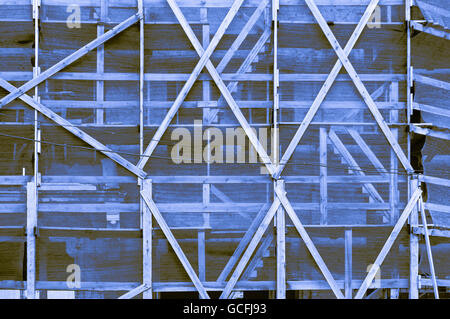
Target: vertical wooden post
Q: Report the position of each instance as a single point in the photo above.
(348, 264)
(141, 76)
(281, 248)
(414, 249)
(202, 235)
(31, 239)
(393, 182)
(323, 176)
(99, 113)
(428, 246)
(32, 187)
(147, 241)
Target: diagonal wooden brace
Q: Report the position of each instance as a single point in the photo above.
(17, 92)
(75, 131)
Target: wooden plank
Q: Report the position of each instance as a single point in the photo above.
(31, 240)
(100, 93)
(432, 82)
(434, 180)
(281, 248)
(428, 246)
(388, 244)
(76, 131)
(308, 242)
(176, 247)
(147, 230)
(323, 145)
(359, 85)
(431, 109)
(348, 264)
(198, 3)
(250, 249)
(189, 179)
(430, 30)
(393, 176)
(17, 92)
(238, 76)
(324, 89)
(430, 132)
(437, 207)
(134, 292)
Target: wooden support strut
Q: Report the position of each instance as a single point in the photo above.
(147, 230)
(31, 240)
(17, 92)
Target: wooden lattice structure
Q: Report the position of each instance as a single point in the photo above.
(96, 92)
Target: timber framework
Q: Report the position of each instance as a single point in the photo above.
(348, 197)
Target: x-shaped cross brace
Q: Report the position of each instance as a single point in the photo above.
(204, 61)
(343, 61)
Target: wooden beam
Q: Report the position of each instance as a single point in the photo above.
(388, 244)
(323, 145)
(250, 249)
(281, 248)
(348, 264)
(431, 82)
(325, 88)
(75, 131)
(359, 85)
(17, 92)
(134, 292)
(100, 92)
(428, 246)
(308, 242)
(147, 232)
(431, 109)
(434, 180)
(430, 132)
(176, 247)
(430, 30)
(31, 240)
